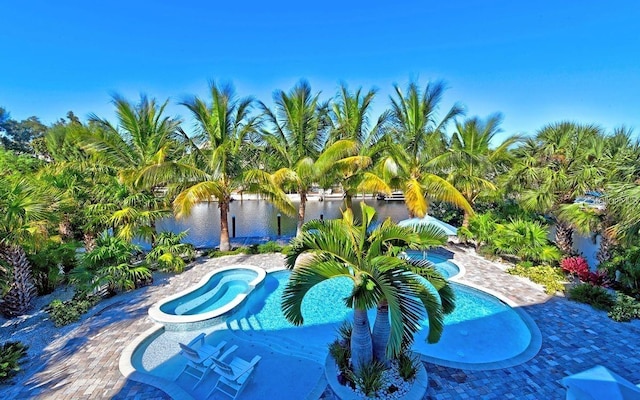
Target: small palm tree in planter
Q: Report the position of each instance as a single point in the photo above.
(403, 291)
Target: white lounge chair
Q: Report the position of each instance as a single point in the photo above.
(199, 355)
(234, 376)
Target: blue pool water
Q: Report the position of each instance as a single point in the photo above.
(218, 291)
(481, 330)
(441, 263)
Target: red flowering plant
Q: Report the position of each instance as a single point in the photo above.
(576, 266)
(599, 278)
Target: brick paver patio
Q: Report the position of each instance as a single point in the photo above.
(84, 363)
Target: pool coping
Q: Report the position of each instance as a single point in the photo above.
(157, 315)
(177, 392)
(535, 344)
(127, 369)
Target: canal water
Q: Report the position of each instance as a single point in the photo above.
(258, 219)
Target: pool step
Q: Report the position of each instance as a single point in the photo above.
(245, 329)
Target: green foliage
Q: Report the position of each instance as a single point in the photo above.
(625, 309)
(50, 262)
(345, 330)
(66, 312)
(626, 262)
(110, 264)
(269, 247)
(369, 378)
(169, 253)
(10, 355)
(551, 278)
(407, 366)
(525, 239)
(232, 252)
(341, 353)
(596, 296)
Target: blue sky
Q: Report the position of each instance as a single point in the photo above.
(535, 61)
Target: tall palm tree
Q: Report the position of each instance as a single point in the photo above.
(559, 165)
(142, 144)
(298, 134)
(224, 128)
(143, 137)
(471, 161)
(350, 122)
(418, 137)
(341, 248)
(25, 211)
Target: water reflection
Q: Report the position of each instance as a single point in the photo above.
(259, 219)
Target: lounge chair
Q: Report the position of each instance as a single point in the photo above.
(234, 376)
(199, 355)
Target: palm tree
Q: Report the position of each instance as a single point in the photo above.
(143, 137)
(471, 162)
(341, 248)
(555, 168)
(350, 122)
(25, 211)
(225, 127)
(298, 134)
(418, 137)
(143, 144)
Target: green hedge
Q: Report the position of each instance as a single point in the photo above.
(10, 355)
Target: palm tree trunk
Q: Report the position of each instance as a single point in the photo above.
(224, 223)
(604, 252)
(465, 221)
(380, 334)
(361, 344)
(89, 239)
(564, 237)
(22, 289)
(301, 211)
(348, 201)
(65, 229)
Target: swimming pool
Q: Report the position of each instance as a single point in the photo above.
(218, 293)
(447, 268)
(482, 333)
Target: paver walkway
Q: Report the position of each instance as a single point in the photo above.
(84, 363)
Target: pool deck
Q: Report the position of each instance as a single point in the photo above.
(83, 364)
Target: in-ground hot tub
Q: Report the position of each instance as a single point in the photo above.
(217, 293)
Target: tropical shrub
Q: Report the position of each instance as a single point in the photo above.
(526, 240)
(51, 262)
(625, 308)
(341, 353)
(551, 278)
(576, 266)
(369, 378)
(66, 312)
(10, 355)
(625, 264)
(596, 296)
(218, 253)
(407, 366)
(169, 253)
(110, 265)
(269, 247)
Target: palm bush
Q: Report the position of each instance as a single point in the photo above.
(110, 265)
(170, 253)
